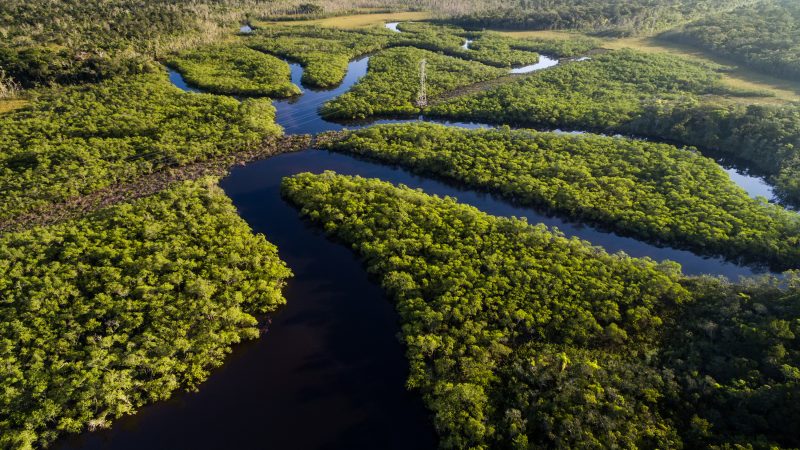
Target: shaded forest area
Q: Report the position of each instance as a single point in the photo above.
(765, 36)
(603, 17)
(107, 313)
(656, 192)
(651, 95)
(519, 337)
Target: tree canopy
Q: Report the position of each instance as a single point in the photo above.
(518, 337)
(764, 36)
(101, 315)
(76, 140)
(653, 191)
(235, 70)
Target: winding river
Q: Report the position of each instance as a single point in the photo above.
(330, 373)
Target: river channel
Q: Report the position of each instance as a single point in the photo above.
(329, 372)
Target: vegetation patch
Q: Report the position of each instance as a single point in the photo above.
(73, 141)
(323, 52)
(392, 84)
(764, 36)
(653, 95)
(489, 48)
(471, 287)
(606, 17)
(235, 70)
(602, 93)
(102, 315)
(653, 191)
(518, 337)
(352, 20)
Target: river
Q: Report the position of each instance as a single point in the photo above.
(329, 373)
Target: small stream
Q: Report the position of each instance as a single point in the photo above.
(544, 60)
(330, 373)
(176, 79)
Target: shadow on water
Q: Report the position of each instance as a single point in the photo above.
(330, 373)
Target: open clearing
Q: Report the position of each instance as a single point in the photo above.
(10, 105)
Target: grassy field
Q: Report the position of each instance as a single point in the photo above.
(740, 77)
(10, 105)
(357, 20)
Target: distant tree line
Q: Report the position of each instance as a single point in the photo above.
(607, 17)
(764, 36)
(656, 96)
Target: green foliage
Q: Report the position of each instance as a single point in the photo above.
(610, 17)
(78, 140)
(736, 355)
(34, 65)
(653, 191)
(102, 315)
(323, 52)
(473, 291)
(558, 396)
(392, 83)
(765, 137)
(649, 95)
(520, 338)
(489, 48)
(602, 93)
(66, 41)
(765, 36)
(573, 46)
(235, 70)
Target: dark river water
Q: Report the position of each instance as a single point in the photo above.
(330, 372)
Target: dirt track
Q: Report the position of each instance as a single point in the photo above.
(149, 184)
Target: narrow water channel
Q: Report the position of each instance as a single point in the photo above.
(329, 373)
(544, 60)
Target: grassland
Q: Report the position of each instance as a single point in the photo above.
(10, 105)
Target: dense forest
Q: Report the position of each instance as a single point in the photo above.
(66, 41)
(76, 140)
(649, 95)
(764, 36)
(610, 17)
(603, 93)
(653, 191)
(518, 337)
(486, 47)
(391, 85)
(323, 52)
(235, 70)
(102, 315)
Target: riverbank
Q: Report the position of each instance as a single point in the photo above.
(152, 183)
